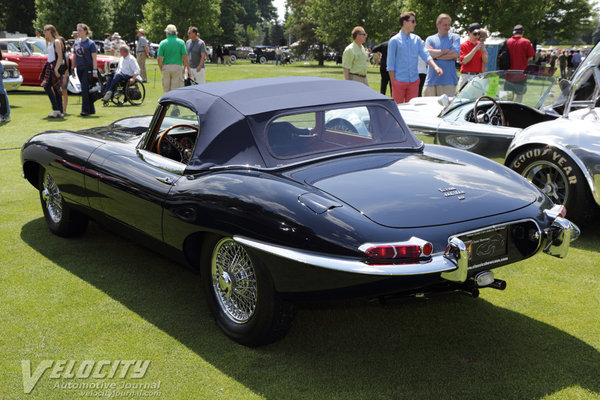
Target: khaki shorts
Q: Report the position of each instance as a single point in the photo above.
(172, 77)
(358, 78)
(438, 90)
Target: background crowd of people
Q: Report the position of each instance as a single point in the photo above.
(408, 65)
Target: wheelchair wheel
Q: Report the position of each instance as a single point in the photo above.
(118, 96)
(136, 93)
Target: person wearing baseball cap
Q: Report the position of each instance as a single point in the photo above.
(172, 59)
(520, 49)
(521, 52)
(472, 56)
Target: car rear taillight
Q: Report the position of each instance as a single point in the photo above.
(412, 249)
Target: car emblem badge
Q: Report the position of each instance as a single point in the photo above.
(452, 191)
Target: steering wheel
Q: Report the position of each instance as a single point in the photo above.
(490, 112)
(172, 141)
(341, 125)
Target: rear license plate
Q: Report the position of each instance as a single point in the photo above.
(488, 247)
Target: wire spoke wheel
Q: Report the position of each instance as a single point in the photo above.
(52, 198)
(234, 280)
(550, 179)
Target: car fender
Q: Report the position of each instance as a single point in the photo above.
(578, 139)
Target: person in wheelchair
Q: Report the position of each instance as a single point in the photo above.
(128, 69)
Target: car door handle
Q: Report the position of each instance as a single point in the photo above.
(165, 179)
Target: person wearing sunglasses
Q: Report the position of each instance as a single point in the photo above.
(473, 56)
(355, 58)
(404, 50)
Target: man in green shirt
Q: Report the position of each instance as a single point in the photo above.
(172, 59)
(355, 57)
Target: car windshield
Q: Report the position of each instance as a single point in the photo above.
(36, 45)
(297, 135)
(530, 87)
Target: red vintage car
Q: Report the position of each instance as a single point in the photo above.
(30, 55)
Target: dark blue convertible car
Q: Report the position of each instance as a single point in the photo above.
(281, 189)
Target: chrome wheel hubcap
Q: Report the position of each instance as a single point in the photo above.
(52, 198)
(550, 179)
(234, 280)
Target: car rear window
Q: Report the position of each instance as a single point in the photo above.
(297, 135)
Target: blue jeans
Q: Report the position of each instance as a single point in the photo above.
(114, 80)
(3, 93)
(55, 98)
(87, 106)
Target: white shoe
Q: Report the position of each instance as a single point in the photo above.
(107, 96)
(54, 114)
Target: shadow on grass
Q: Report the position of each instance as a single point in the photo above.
(450, 346)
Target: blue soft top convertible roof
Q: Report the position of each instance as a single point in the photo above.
(231, 114)
(257, 96)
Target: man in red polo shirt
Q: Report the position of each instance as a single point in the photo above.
(521, 52)
(520, 49)
(473, 56)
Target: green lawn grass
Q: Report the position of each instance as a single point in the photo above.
(102, 297)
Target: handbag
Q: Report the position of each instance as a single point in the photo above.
(63, 67)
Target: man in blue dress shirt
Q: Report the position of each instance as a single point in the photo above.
(404, 50)
(444, 48)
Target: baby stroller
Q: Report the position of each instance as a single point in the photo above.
(134, 93)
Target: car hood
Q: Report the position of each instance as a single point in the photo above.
(422, 189)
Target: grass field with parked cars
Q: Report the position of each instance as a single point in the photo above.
(77, 314)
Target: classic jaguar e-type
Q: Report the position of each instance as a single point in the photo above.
(549, 130)
(266, 187)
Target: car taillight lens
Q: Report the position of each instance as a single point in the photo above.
(391, 252)
(411, 249)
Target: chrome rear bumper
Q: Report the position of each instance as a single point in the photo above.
(453, 265)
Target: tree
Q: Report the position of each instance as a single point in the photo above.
(543, 19)
(66, 14)
(231, 12)
(276, 37)
(596, 34)
(561, 19)
(17, 16)
(127, 15)
(204, 14)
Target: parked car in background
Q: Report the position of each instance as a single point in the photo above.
(263, 54)
(548, 131)
(11, 77)
(269, 189)
(30, 55)
(238, 52)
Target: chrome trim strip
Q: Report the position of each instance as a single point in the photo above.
(353, 265)
(325, 157)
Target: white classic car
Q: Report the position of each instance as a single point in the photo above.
(11, 77)
(548, 131)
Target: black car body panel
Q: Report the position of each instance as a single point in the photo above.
(297, 213)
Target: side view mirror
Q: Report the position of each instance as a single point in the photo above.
(564, 85)
(444, 100)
